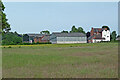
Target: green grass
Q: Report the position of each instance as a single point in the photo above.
(98, 60)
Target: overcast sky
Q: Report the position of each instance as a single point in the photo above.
(33, 17)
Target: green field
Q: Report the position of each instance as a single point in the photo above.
(99, 60)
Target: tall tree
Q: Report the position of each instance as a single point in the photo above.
(74, 29)
(64, 31)
(88, 34)
(4, 25)
(45, 32)
(113, 35)
(80, 29)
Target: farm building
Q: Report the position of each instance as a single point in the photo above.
(98, 35)
(118, 38)
(43, 38)
(30, 38)
(68, 38)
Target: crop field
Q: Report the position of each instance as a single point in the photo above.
(99, 60)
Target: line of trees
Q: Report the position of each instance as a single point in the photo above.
(11, 38)
(73, 29)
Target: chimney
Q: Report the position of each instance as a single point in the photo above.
(105, 28)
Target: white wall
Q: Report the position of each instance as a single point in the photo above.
(67, 42)
(106, 35)
(96, 40)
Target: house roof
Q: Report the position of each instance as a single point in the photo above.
(97, 29)
(97, 36)
(89, 38)
(69, 34)
(35, 35)
(46, 37)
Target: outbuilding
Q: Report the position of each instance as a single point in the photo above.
(62, 38)
(41, 38)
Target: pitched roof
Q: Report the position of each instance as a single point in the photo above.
(69, 34)
(97, 29)
(46, 37)
(97, 36)
(35, 35)
(89, 38)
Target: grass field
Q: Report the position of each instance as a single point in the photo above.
(99, 60)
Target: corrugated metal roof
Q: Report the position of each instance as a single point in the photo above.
(69, 34)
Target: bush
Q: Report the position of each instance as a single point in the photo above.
(27, 43)
(109, 41)
(10, 38)
(9, 47)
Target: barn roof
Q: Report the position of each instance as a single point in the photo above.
(35, 35)
(69, 34)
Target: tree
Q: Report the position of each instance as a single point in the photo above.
(106, 27)
(113, 36)
(5, 26)
(80, 29)
(45, 32)
(74, 29)
(64, 31)
(88, 34)
(11, 38)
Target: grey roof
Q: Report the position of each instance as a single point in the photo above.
(35, 35)
(69, 34)
(46, 37)
(98, 36)
(89, 38)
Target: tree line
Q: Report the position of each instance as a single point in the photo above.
(73, 29)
